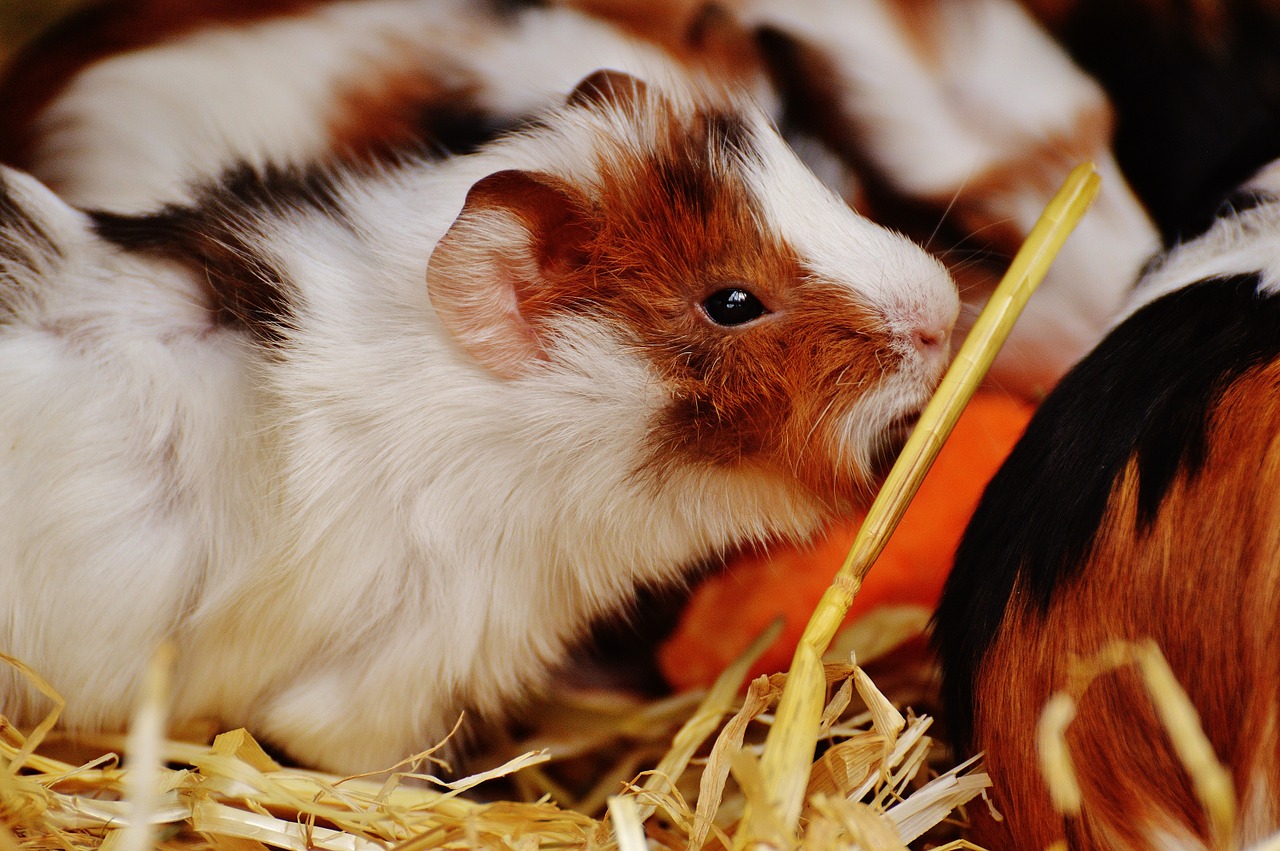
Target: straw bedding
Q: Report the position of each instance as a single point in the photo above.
(670, 773)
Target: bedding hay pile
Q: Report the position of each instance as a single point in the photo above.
(872, 785)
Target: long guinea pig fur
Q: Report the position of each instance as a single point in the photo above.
(1143, 502)
(370, 447)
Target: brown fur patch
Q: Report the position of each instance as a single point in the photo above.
(921, 24)
(676, 226)
(665, 22)
(1042, 164)
(1204, 582)
(701, 34)
(1040, 167)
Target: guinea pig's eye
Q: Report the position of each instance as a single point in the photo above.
(733, 306)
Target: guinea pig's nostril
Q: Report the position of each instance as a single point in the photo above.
(931, 339)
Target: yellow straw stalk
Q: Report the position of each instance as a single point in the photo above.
(789, 748)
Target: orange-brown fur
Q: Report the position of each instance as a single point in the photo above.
(673, 198)
(388, 109)
(922, 25)
(1204, 582)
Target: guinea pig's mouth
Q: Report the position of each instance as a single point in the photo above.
(888, 444)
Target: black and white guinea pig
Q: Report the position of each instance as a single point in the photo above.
(963, 113)
(1142, 502)
(372, 447)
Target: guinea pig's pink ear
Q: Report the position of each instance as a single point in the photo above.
(520, 238)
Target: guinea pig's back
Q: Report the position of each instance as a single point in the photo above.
(1143, 502)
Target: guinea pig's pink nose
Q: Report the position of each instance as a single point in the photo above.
(929, 332)
(929, 338)
(925, 315)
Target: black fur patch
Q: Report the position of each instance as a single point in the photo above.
(732, 136)
(460, 128)
(690, 168)
(214, 236)
(516, 7)
(1198, 111)
(1146, 392)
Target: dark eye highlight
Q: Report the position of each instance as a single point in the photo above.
(733, 306)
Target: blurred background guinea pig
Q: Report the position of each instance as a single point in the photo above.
(951, 121)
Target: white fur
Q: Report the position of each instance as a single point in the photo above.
(354, 537)
(1235, 245)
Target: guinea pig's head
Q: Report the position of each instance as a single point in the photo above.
(790, 336)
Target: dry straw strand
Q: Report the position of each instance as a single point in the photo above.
(1056, 764)
(146, 769)
(718, 703)
(22, 756)
(1210, 780)
(628, 826)
(1209, 777)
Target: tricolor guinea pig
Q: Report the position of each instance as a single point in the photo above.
(371, 447)
(1143, 502)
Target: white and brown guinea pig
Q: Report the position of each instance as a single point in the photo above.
(1142, 502)
(950, 120)
(372, 447)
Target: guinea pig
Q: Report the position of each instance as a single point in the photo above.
(370, 447)
(1143, 502)
(953, 121)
